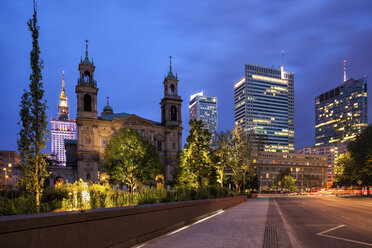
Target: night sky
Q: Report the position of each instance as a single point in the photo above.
(210, 42)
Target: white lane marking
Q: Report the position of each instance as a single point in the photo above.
(331, 229)
(348, 240)
(334, 237)
(143, 245)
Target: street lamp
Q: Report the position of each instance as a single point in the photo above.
(5, 176)
(297, 170)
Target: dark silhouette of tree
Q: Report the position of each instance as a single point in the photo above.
(33, 122)
(357, 163)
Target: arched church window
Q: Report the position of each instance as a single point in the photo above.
(87, 103)
(88, 176)
(172, 89)
(173, 113)
(86, 77)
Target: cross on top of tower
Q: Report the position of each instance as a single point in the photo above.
(170, 63)
(170, 74)
(86, 48)
(86, 59)
(108, 98)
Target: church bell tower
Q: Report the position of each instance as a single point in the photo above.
(86, 89)
(171, 102)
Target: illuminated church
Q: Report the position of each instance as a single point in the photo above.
(94, 130)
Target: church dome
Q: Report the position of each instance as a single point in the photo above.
(107, 110)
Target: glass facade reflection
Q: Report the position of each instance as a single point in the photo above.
(264, 104)
(204, 108)
(341, 113)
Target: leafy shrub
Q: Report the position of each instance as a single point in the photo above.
(81, 195)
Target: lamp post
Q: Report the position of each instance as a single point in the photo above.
(297, 170)
(5, 177)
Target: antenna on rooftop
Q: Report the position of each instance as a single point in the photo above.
(282, 67)
(344, 70)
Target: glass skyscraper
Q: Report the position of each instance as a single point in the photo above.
(264, 104)
(204, 108)
(341, 113)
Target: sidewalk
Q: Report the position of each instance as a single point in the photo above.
(239, 226)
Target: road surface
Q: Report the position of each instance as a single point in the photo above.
(298, 221)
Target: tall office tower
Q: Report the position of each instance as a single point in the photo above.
(204, 108)
(264, 104)
(341, 113)
(62, 128)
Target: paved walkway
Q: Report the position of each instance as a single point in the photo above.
(240, 226)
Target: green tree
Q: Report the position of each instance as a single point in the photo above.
(131, 159)
(285, 181)
(33, 123)
(242, 168)
(196, 162)
(356, 165)
(360, 152)
(343, 169)
(223, 154)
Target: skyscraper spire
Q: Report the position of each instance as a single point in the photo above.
(282, 67)
(344, 70)
(63, 93)
(63, 106)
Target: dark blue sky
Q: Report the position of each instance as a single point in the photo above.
(210, 42)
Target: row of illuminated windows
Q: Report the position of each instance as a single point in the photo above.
(262, 69)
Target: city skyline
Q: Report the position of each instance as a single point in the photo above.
(209, 53)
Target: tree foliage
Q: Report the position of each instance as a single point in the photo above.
(33, 122)
(223, 153)
(243, 171)
(233, 151)
(285, 181)
(357, 163)
(196, 161)
(131, 159)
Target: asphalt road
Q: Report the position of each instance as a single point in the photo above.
(279, 222)
(327, 222)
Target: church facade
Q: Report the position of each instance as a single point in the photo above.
(94, 130)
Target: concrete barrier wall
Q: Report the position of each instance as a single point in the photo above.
(108, 227)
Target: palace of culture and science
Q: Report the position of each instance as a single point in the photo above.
(62, 128)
